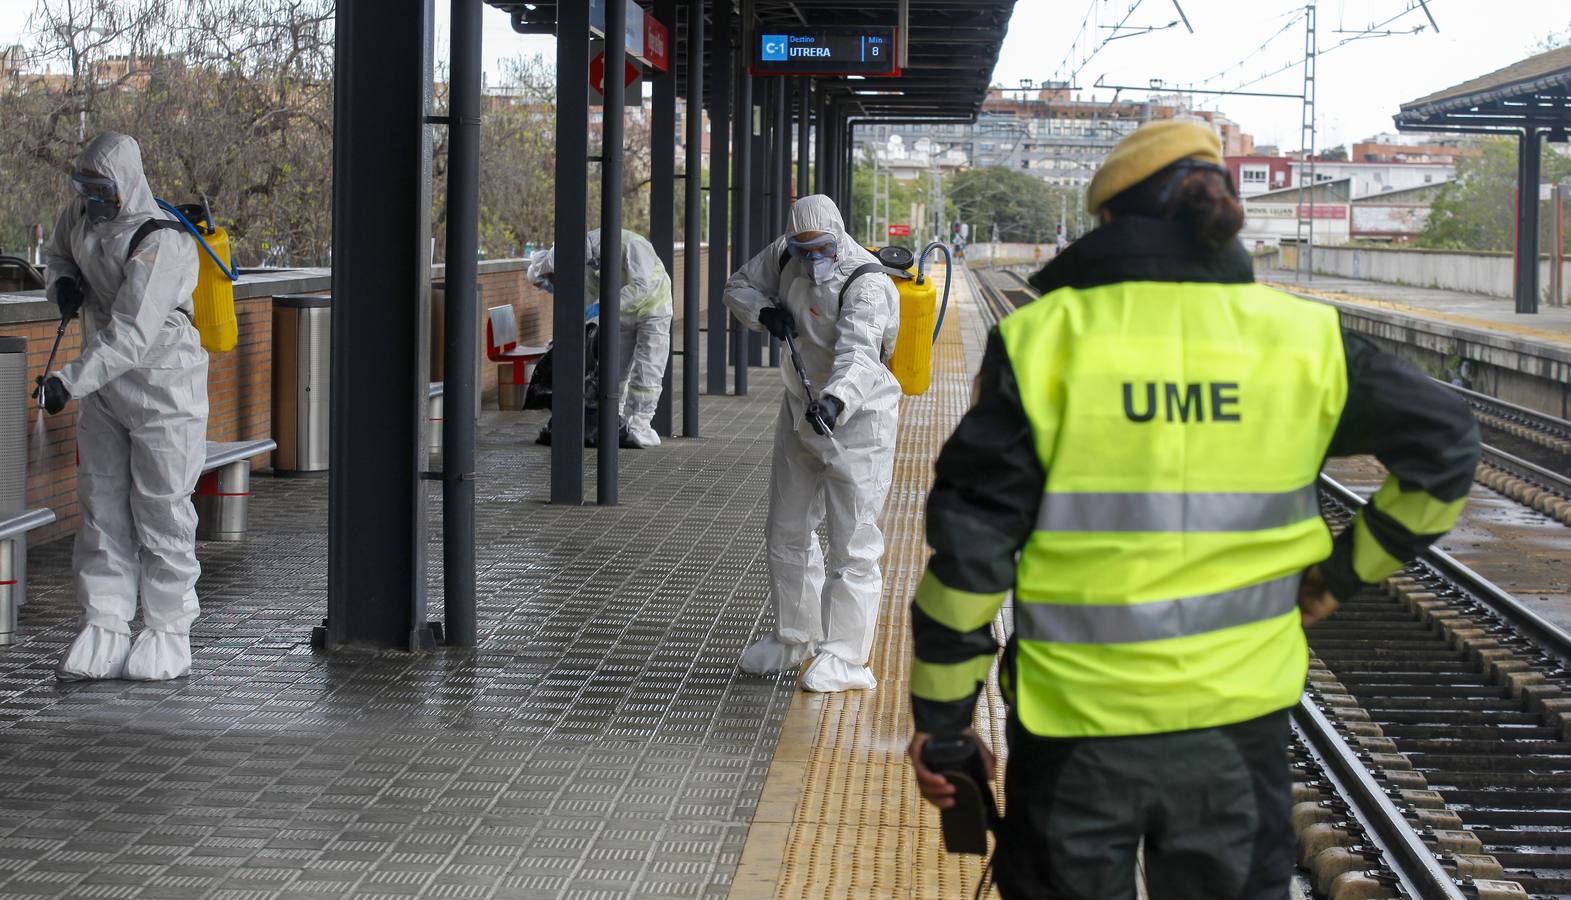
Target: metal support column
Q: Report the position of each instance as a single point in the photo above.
(820, 141)
(567, 305)
(719, 193)
(461, 328)
(780, 148)
(692, 224)
(741, 187)
(376, 575)
(848, 172)
(610, 380)
(804, 134)
(1527, 221)
(662, 192)
(758, 179)
(831, 127)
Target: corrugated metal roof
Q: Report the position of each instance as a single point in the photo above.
(1525, 82)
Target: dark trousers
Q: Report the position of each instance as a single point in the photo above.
(1212, 806)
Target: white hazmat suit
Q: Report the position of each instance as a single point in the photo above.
(644, 323)
(141, 388)
(842, 480)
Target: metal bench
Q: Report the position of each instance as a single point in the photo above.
(223, 494)
(515, 362)
(13, 565)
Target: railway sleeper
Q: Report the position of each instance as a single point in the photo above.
(1525, 432)
(1528, 494)
(1330, 850)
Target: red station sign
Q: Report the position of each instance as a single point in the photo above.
(900, 231)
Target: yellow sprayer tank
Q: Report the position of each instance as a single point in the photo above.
(214, 297)
(912, 361)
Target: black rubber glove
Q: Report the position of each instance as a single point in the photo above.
(822, 413)
(777, 321)
(51, 391)
(69, 297)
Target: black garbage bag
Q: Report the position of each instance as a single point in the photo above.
(538, 393)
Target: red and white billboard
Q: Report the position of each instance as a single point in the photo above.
(900, 231)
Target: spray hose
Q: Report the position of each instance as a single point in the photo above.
(921, 267)
(232, 272)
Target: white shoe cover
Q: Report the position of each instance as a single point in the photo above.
(642, 434)
(159, 656)
(96, 653)
(829, 674)
(770, 655)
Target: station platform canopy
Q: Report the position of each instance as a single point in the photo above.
(1529, 100)
(953, 48)
(1533, 93)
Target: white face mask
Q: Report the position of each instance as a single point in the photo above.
(823, 269)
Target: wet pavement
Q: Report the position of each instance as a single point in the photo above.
(599, 743)
(1522, 551)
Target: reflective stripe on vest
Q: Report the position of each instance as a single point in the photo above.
(1175, 512)
(1124, 623)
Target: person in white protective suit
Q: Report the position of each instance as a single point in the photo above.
(140, 383)
(843, 475)
(645, 322)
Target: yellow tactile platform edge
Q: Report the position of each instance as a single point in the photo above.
(1423, 312)
(840, 815)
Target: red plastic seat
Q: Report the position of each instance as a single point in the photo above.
(501, 346)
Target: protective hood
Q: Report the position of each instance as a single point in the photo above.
(118, 156)
(816, 212)
(592, 245)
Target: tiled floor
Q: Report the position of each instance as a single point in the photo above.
(600, 742)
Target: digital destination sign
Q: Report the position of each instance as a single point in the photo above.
(824, 50)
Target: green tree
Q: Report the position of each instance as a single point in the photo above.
(1477, 211)
(1023, 207)
(902, 194)
(1335, 154)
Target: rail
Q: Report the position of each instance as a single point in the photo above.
(1445, 679)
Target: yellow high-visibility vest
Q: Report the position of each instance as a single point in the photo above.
(1182, 427)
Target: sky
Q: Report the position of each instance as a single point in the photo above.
(1361, 84)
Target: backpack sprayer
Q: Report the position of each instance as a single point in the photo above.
(921, 318)
(213, 300)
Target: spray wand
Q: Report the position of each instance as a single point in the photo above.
(59, 333)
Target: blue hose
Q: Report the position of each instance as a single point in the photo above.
(921, 266)
(233, 273)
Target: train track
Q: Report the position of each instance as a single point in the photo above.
(998, 301)
(1527, 454)
(1452, 702)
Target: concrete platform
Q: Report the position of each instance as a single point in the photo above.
(1525, 359)
(600, 743)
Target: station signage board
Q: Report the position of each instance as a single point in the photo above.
(647, 39)
(899, 230)
(824, 50)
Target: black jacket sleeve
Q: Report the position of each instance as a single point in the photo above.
(981, 511)
(1426, 437)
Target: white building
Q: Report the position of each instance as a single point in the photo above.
(1378, 177)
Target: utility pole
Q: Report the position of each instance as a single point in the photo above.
(1305, 267)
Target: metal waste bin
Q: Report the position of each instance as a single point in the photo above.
(302, 372)
(14, 409)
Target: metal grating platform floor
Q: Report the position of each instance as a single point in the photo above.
(599, 744)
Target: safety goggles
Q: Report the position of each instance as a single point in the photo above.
(96, 188)
(822, 246)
